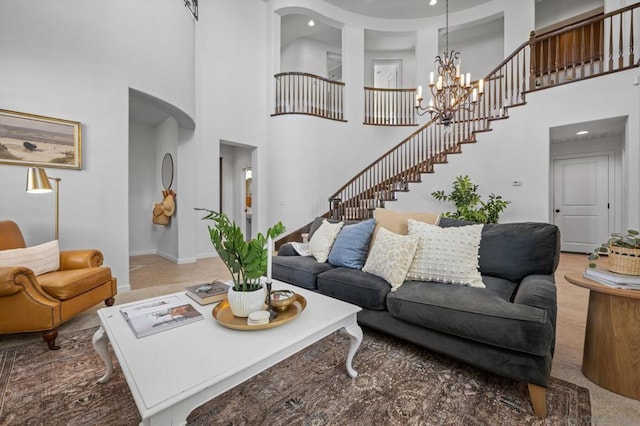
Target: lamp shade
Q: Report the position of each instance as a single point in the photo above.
(37, 181)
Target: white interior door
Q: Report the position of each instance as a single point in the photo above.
(581, 202)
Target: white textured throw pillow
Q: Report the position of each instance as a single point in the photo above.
(448, 255)
(322, 240)
(391, 256)
(40, 259)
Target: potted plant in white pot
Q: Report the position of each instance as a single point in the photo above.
(623, 251)
(246, 260)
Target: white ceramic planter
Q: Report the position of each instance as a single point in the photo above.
(242, 303)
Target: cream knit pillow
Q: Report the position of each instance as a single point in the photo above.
(390, 257)
(40, 259)
(448, 255)
(322, 240)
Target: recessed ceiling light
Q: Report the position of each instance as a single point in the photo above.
(582, 132)
(311, 23)
(433, 2)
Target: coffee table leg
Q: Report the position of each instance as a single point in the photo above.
(355, 333)
(100, 341)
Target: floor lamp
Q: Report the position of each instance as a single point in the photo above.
(38, 183)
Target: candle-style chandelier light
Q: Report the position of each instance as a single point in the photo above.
(450, 88)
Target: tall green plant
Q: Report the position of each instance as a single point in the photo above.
(246, 260)
(469, 204)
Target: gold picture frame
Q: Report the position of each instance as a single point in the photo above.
(35, 140)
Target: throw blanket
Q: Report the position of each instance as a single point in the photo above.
(301, 248)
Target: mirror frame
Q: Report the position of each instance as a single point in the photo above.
(166, 172)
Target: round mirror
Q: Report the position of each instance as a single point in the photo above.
(167, 171)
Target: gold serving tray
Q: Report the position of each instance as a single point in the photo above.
(222, 313)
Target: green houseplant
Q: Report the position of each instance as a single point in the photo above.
(623, 251)
(246, 260)
(469, 204)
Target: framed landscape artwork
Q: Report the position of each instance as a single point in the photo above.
(34, 140)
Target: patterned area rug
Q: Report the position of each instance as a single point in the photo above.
(398, 384)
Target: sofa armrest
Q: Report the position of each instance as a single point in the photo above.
(287, 250)
(539, 291)
(78, 259)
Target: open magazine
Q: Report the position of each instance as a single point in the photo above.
(153, 316)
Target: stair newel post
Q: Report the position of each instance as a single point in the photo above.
(334, 206)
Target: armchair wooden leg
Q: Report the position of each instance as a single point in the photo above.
(110, 301)
(538, 396)
(49, 336)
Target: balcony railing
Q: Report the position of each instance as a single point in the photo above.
(303, 93)
(389, 107)
(588, 48)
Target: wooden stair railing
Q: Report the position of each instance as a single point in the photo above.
(605, 45)
(303, 93)
(431, 144)
(588, 48)
(389, 107)
(505, 87)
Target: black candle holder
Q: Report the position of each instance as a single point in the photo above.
(272, 312)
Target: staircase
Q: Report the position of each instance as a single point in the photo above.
(597, 46)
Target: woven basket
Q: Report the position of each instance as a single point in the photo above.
(624, 260)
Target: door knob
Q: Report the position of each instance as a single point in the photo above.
(557, 210)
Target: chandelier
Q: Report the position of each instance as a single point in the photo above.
(450, 88)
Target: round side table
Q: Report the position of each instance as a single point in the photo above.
(611, 357)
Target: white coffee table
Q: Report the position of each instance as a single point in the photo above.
(173, 372)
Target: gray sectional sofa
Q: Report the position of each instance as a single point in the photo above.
(507, 328)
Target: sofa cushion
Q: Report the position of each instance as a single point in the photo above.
(322, 241)
(484, 315)
(64, 285)
(391, 256)
(447, 255)
(514, 250)
(299, 270)
(40, 259)
(396, 221)
(354, 286)
(352, 245)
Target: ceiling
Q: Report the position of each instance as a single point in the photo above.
(295, 26)
(598, 129)
(151, 111)
(403, 9)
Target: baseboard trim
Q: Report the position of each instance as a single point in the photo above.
(142, 252)
(124, 288)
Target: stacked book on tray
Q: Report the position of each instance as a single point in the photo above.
(613, 279)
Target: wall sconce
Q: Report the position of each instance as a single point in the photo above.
(38, 183)
(192, 5)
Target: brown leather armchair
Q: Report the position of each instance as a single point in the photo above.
(43, 302)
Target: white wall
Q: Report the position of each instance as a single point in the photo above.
(142, 153)
(231, 99)
(76, 59)
(481, 47)
(407, 57)
(166, 142)
(549, 12)
(306, 55)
